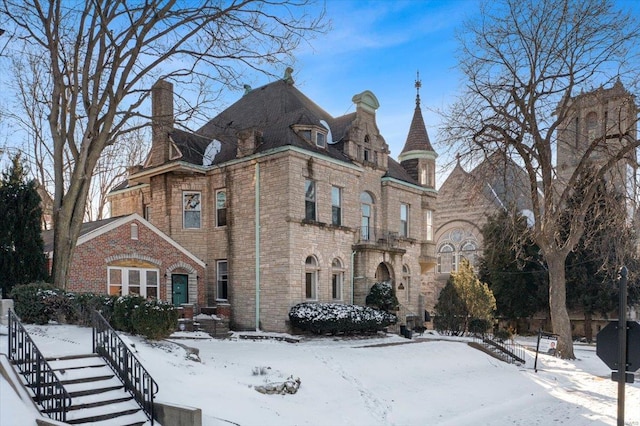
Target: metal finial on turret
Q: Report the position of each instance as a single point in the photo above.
(418, 85)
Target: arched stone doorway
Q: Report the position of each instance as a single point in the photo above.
(384, 273)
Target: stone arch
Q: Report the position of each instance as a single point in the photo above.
(132, 256)
(384, 272)
(192, 281)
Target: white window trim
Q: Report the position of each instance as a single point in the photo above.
(184, 211)
(218, 280)
(226, 207)
(404, 223)
(315, 274)
(124, 271)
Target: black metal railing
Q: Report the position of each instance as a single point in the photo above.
(135, 377)
(371, 235)
(47, 389)
(511, 350)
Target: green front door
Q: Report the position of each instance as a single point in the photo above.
(179, 290)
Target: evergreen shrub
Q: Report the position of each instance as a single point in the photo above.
(85, 303)
(382, 296)
(123, 309)
(30, 302)
(479, 325)
(334, 318)
(154, 320)
(502, 335)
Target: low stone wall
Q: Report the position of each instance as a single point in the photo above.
(5, 305)
(177, 415)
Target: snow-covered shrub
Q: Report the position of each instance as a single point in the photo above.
(123, 312)
(33, 302)
(323, 318)
(382, 296)
(86, 303)
(154, 319)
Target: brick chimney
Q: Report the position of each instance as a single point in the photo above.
(248, 140)
(161, 121)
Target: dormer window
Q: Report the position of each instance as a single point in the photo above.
(314, 136)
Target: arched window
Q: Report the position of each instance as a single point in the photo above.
(446, 259)
(311, 278)
(366, 229)
(469, 252)
(406, 278)
(337, 279)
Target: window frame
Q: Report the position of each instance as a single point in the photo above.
(337, 280)
(311, 274)
(429, 224)
(310, 200)
(222, 280)
(221, 212)
(451, 253)
(367, 231)
(125, 281)
(197, 208)
(336, 209)
(404, 220)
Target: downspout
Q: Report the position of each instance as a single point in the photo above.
(353, 254)
(257, 248)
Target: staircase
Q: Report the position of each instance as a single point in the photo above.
(107, 388)
(98, 396)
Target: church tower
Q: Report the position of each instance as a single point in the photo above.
(418, 157)
(603, 121)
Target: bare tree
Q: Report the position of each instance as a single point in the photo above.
(102, 56)
(523, 62)
(113, 167)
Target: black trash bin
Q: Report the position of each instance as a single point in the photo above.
(403, 330)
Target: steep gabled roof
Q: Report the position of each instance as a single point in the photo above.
(504, 181)
(90, 230)
(272, 109)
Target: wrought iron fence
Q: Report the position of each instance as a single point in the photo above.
(48, 391)
(135, 377)
(511, 350)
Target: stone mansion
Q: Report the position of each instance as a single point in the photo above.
(275, 202)
(282, 203)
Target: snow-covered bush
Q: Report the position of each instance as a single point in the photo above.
(333, 318)
(123, 312)
(30, 301)
(153, 319)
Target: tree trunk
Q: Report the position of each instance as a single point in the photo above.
(558, 304)
(588, 329)
(68, 222)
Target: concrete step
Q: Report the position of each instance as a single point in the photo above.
(98, 395)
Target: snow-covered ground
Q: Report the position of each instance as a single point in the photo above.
(358, 381)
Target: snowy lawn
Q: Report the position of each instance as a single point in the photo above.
(359, 381)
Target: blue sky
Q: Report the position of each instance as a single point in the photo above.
(379, 46)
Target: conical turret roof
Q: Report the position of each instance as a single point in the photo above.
(418, 138)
